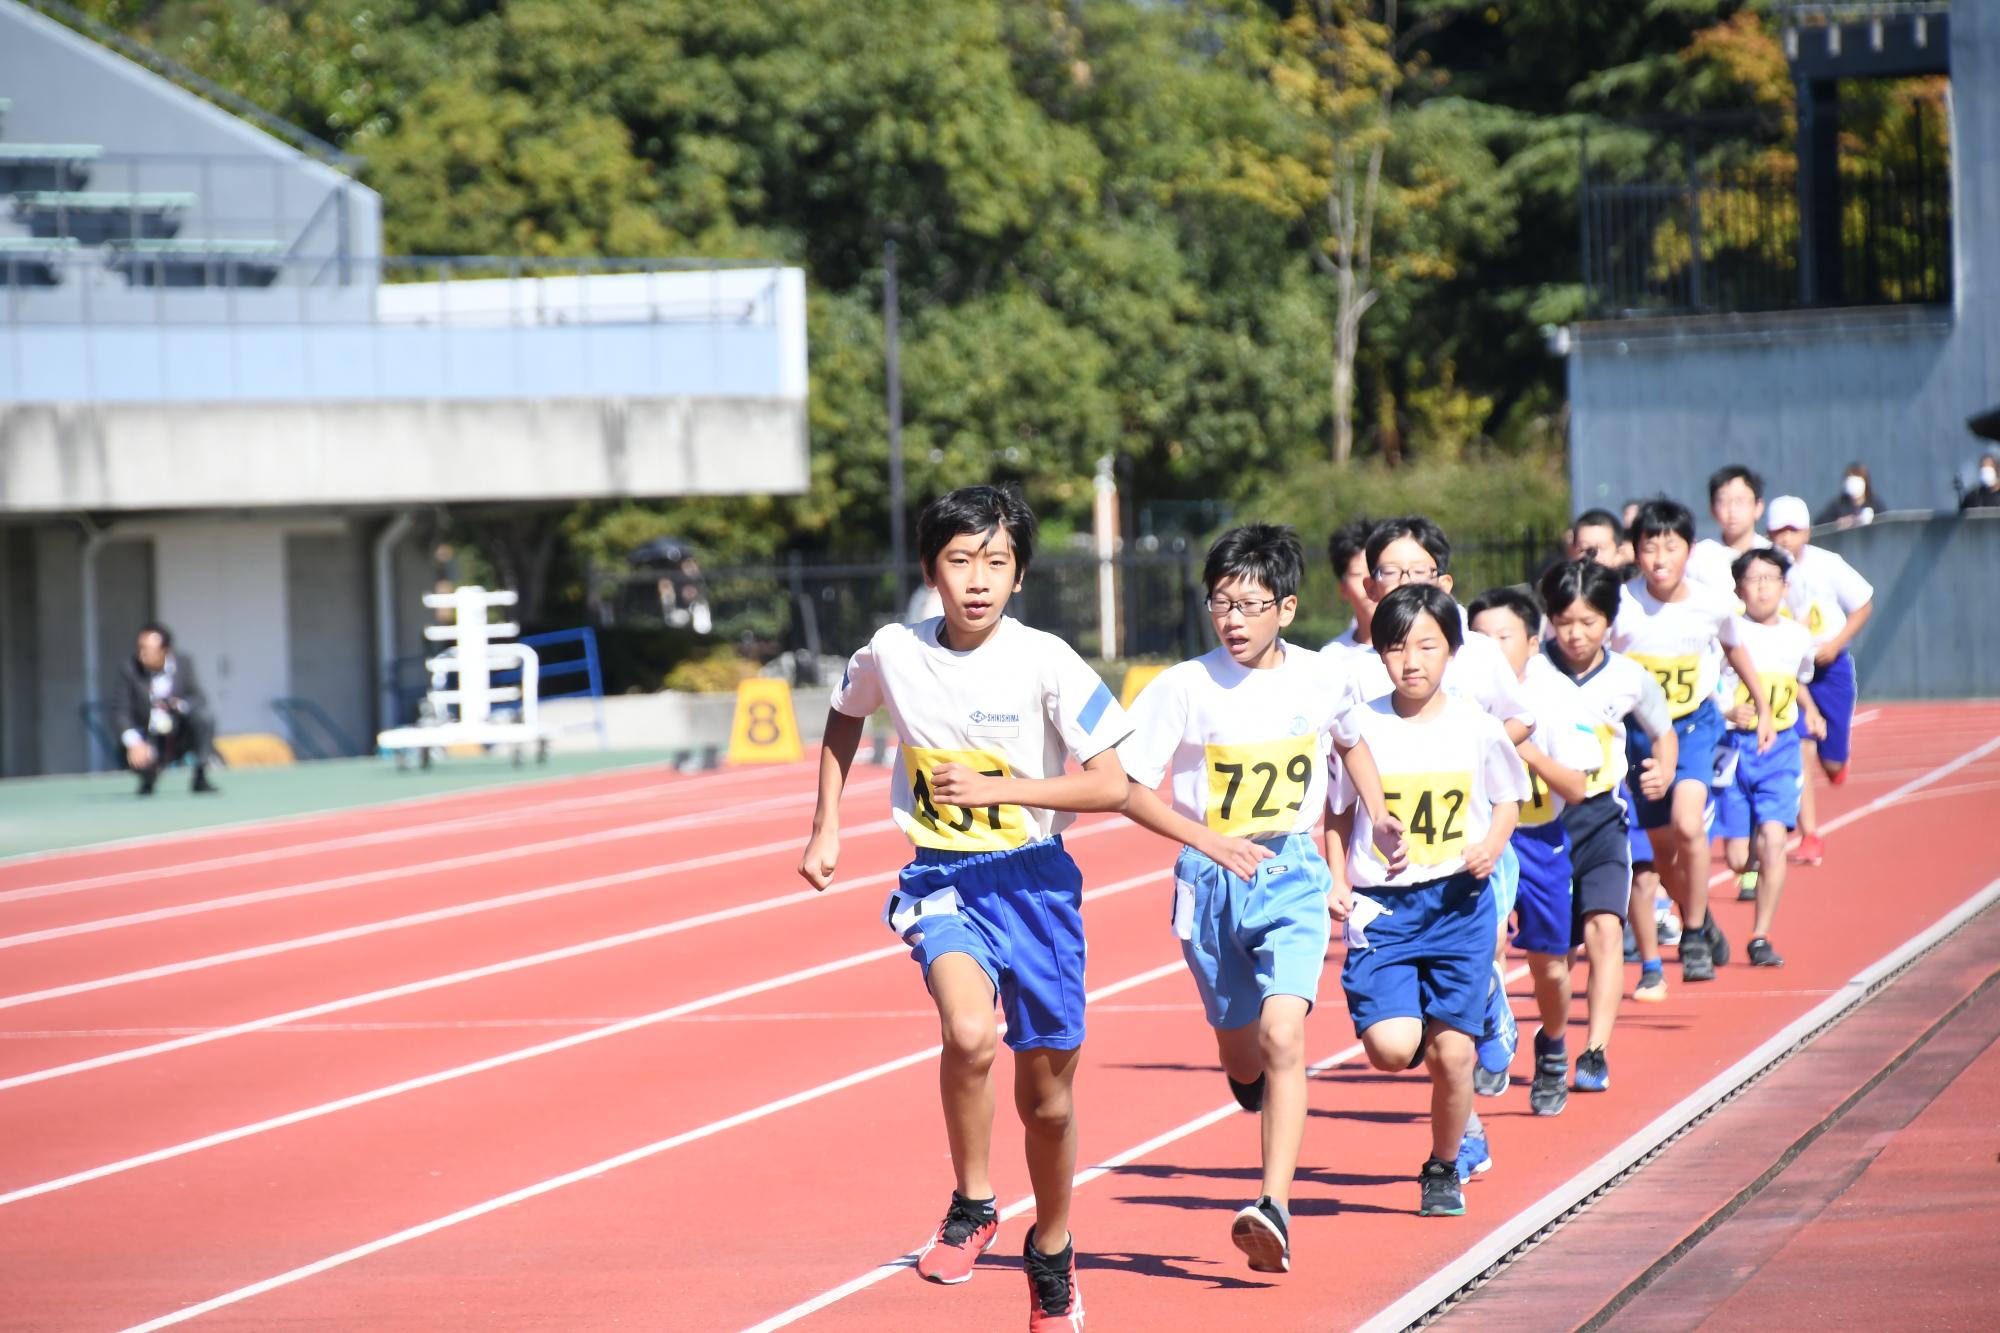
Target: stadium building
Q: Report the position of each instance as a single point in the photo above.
(221, 407)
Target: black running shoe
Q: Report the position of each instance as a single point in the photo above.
(1249, 1096)
(1718, 945)
(1264, 1233)
(1054, 1303)
(1762, 954)
(1488, 1082)
(1549, 1093)
(1593, 1071)
(1697, 962)
(1442, 1194)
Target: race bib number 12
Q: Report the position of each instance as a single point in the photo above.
(957, 828)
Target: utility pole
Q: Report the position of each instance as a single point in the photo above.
(898, 542)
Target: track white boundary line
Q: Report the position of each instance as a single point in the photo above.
(401, 833)
(306, 888)
(609, 1164)
(1539, 1214)
(894, 1266)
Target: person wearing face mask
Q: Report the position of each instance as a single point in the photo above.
(1857, 502)
(1987, 494)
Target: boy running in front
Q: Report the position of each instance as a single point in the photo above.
(1420, 951)
(1581, 599)
(1242, 730)
(988, 712)
(1832, 600)
(1761, 799)
(1682, 631)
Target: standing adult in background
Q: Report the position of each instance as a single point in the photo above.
(1857, 501)
(1986, 495)
(162, 714)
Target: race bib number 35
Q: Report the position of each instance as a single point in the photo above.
(1433, 808)
(956, 828)
(1260, 788)
(1677, 677)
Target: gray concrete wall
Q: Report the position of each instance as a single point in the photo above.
(329, 634)
(20, 671)
(1658, 404)
(1935, 631)
(232, 455)
(58, 631)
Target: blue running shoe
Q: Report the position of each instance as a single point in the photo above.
(1473, 1155)
(1502, 1035)
(1593, 1071)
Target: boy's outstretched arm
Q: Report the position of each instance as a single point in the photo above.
(1239, 856)
(1101, 786)
(1339, 827)
(836, 756)
(1569, 783)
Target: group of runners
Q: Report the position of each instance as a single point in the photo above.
(1536, 766)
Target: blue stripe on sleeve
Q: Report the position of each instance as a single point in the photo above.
(1094, 710)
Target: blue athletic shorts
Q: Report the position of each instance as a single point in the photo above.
(1601, 873)
(1700, 733)
(1019, 915)
(1765, 789)
(1832, 688)
(1638, 846)
(1543, 904)
(1505, 882)
(1429, 956)
(1247, 940)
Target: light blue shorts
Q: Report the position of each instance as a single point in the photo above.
(1247, 940)
(1505, 881)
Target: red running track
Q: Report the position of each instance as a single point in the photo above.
(585, 1053)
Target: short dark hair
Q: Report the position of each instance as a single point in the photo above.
(1266, 552)
(1660, 516)
(155, 627)
(1600, 518)
(1400, 609)
(1770, 555)
(1515, 599)
(1349, 540)
(1581, 581)
(981, 509)
(1418, 529)
(1722, 476)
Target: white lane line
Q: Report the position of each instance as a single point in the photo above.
(508, 965)
(402, 833)
(609, 1164)
(595, 837)
(897, 1265)
(1216, 1116)
(1502, 1239)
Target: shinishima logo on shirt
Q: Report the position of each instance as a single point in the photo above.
(979, 722)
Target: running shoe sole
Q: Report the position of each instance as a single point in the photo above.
(1650, 994)
(1260, 1242)
(954, 1281)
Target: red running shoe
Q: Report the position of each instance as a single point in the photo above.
(968, 1231)
(1810, 851)
(1055, 1305)
(1841, 776)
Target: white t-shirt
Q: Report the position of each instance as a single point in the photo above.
(1441, 778)
(1246, 747)
(1823, 590)
(1478, 671)
(1680, 642)
(1782, 652)
(1565, 731)
(1344, 645)
(1612, 690)
(1710, 562)
(1018, 706)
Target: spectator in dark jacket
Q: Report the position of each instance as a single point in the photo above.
(161, 712)
(1857, 502)
(1986, 495)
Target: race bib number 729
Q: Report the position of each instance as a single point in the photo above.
(1260, 788)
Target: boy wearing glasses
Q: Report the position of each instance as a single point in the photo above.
(1242, 730)
(1761, 799)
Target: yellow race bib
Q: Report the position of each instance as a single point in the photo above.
(955, 828)
(1678, 677)
(1432, 808)
(1259, 788)
(1607, 744)
(1539, 808)
(1784, 693)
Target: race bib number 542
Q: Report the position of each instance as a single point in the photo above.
(1260, 788)
(957, 828)
(1433, 808)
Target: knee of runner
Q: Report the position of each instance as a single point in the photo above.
(971, 1039)
(1045, 1112)
(1283, 1041)
(1391, 1054)
(1450, 1054)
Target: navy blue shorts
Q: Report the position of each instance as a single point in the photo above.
(1638, 846)
(1019, 915)
(1247, 940)
(1832, 689)
(1543, 904)
(1765, 787)
(1429, 956)
(1700, 734)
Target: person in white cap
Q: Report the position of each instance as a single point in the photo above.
(1832, 600)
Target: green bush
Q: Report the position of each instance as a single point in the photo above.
(719, 672)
